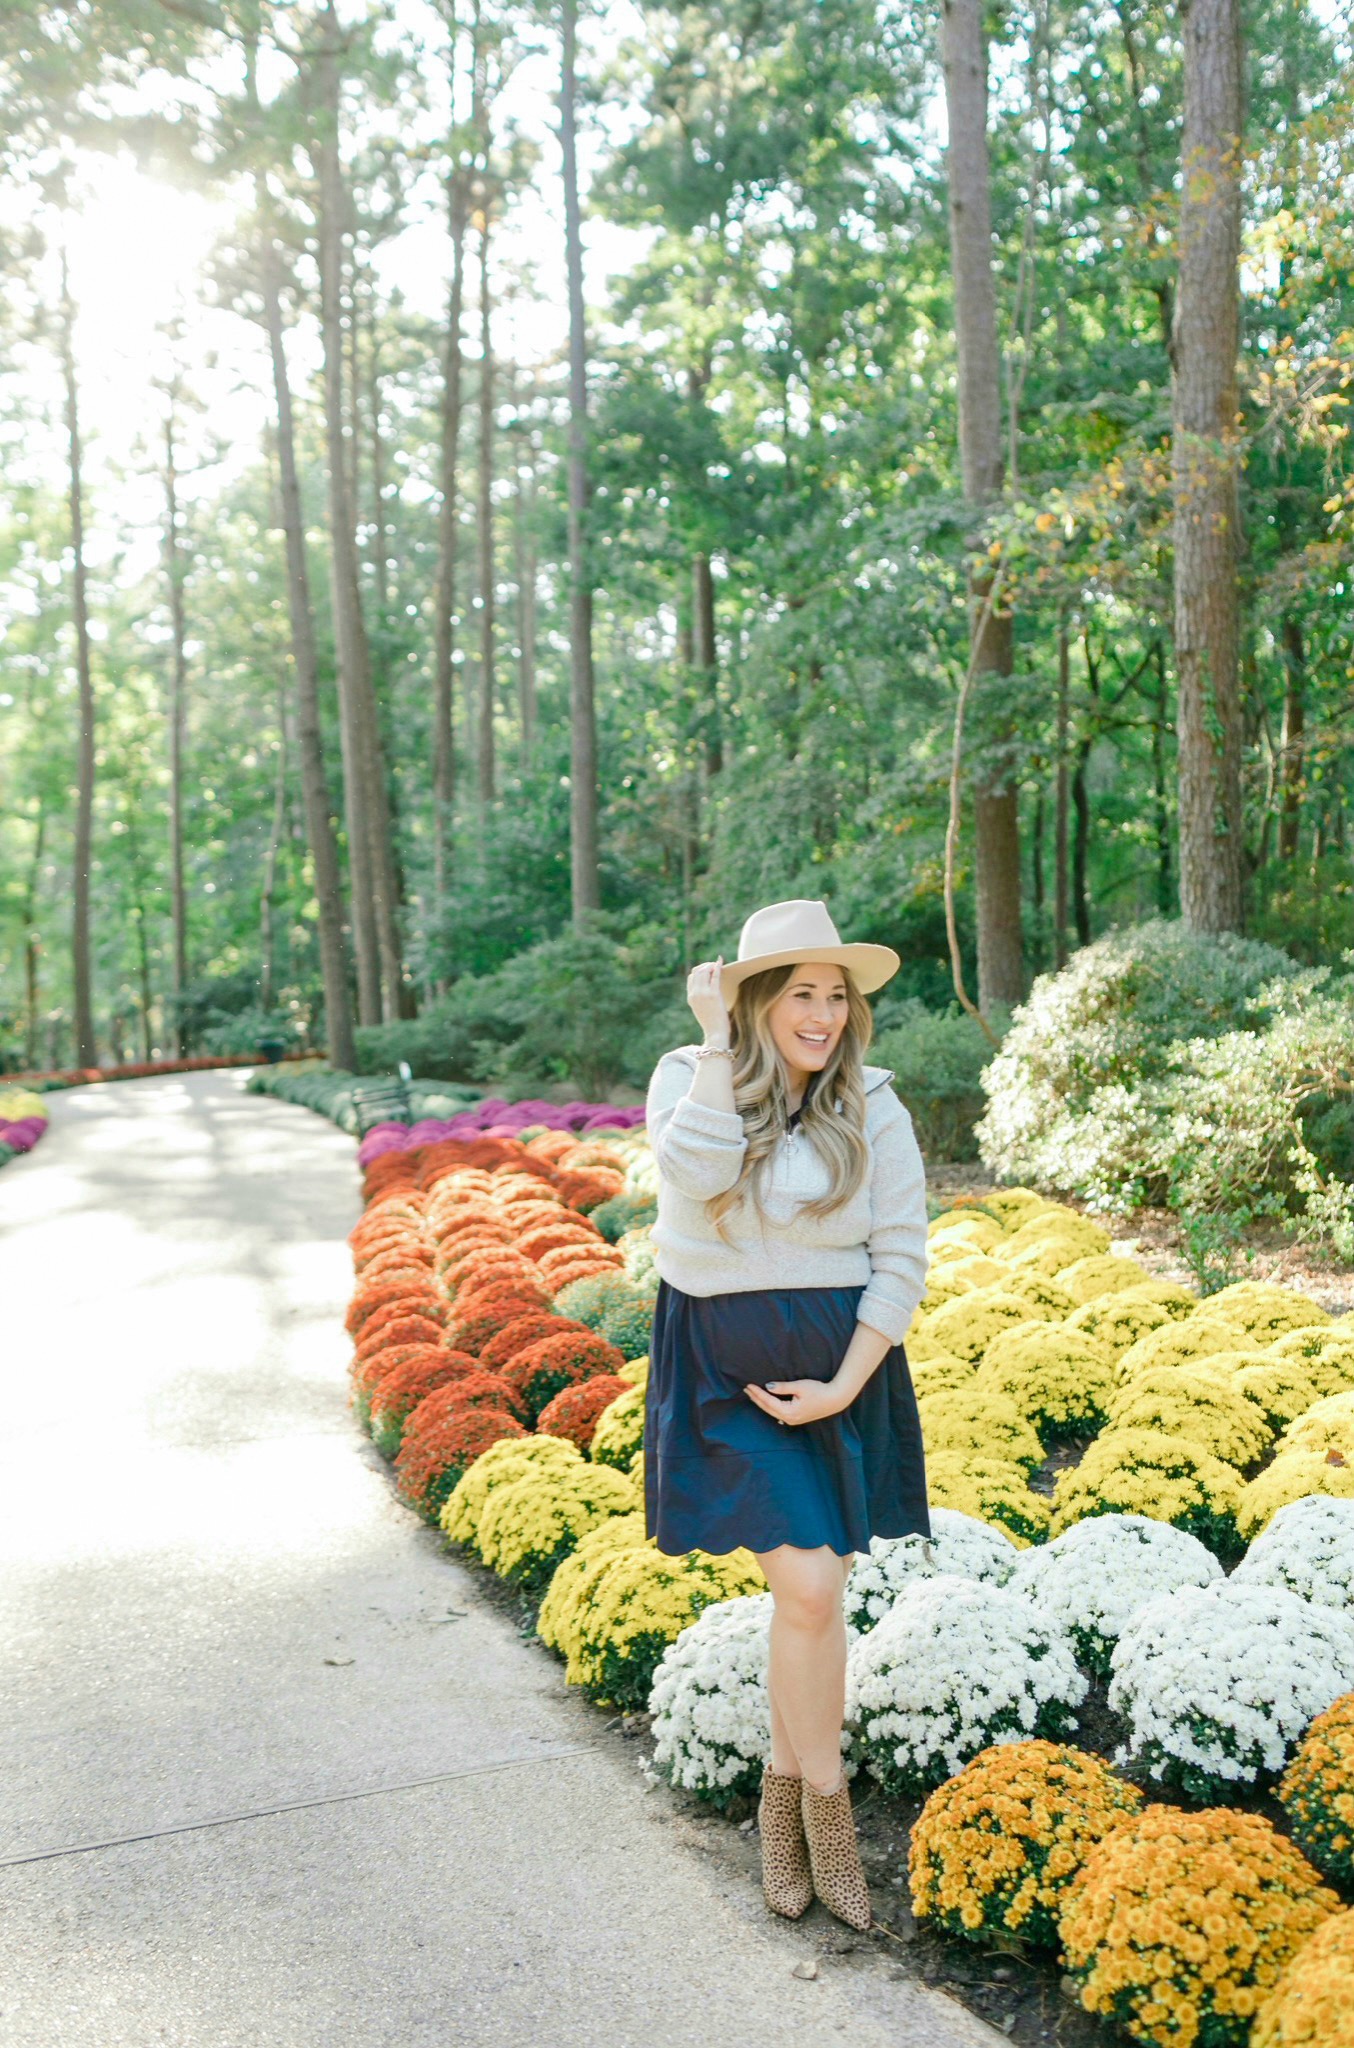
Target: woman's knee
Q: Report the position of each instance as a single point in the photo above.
(806, 1585)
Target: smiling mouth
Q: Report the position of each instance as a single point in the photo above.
(816, 1040)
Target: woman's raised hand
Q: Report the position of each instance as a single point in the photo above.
(707, 1002)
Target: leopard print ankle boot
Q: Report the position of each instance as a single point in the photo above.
(834, 1859)
(786, 1883)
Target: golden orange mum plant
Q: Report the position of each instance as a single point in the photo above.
(995, 1848)
(1310, 2006)
(1318, 1792)
(1179, 1925)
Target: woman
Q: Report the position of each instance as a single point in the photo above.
(780, 1416)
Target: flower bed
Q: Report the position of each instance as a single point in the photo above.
(501, 1312)
(23, 1120)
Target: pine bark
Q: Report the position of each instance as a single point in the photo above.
(1291, 763)
(485, 523)
(177, 711)
(1204, 464)
(996, 803)
(86, 1046)
(444, 600)
(370, 854)
(586, 888)
(524, 566)
(314, 787)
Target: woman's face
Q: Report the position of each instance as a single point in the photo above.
(809, 1016)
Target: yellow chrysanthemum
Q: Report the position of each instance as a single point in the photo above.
(1310, 2006)
(1326, 1355)
(1055, 1221)
(1087, 1278)
(1122, 1319)
(968, 1227)
(1047, 1255)
(967, 1326)
(1060, 1381)
(989, 1489)
(1047, 1299)
(620, 1428)
(1264, 1310)
(1327, 1426)
(1292, 1476)
(621, 1607)
(1318, 1792)
(1013, 1207)
(529, 1527)
(980, 1422)
(501, 1465)
(1179, 1923)
(1142, 1472)
(1276, 1385)
(1177, 1344)
(1204, 1410)
(942, 1375)
(995, 1848)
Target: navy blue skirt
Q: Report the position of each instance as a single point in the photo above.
(720, 1474)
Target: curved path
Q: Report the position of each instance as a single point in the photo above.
(273, 1773)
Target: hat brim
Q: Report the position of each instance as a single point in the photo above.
(871, 966)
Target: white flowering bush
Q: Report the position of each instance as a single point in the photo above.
(959, 1545)
(1093, 1578)
(1217, 1683)
(1309, 1549)
(711, 1719)
(954, 1666)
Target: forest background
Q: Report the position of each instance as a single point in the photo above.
(491, 495)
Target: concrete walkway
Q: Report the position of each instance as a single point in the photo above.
(273, 1772)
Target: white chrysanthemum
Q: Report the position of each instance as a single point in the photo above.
(1217, 1683)
(1095, 1576)
(953, 1666)
(1309, 1548)
(959, 1545)
(711, 1718)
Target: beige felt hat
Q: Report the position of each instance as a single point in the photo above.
(783, 933)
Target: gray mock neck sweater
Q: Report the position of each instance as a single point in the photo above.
(877, 1240)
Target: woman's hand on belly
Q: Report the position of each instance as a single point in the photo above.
(797, 1401)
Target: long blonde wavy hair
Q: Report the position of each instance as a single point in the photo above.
(836, 1134)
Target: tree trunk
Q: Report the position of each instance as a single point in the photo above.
(1081, 842)
(485, 522)
(1160, 804)
(1204, 470)
(996, 812)
(32, 942)
(705, 655)
(586, 886)
(370, 855)
(86, 1047)
(444, 599)
(1291, 765)
(524, 565)
(314, 788)
(178, 698)
(1061, 798)
(269, 890)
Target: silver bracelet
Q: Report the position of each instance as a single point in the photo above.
(714, 1052)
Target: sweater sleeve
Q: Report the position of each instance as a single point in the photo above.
(897, 1241)
(699, 1150)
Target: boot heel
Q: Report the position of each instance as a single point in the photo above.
(786, 1884)
(834, 1857)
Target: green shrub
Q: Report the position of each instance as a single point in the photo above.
(585, 1008)
(937, 1060)
(1209, 1073)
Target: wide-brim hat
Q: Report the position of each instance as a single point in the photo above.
(782, 934)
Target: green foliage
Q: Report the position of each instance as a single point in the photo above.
(937, 1063)
(1098, 1089)
(613, 1306)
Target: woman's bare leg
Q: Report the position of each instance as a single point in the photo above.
(807, 1674)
